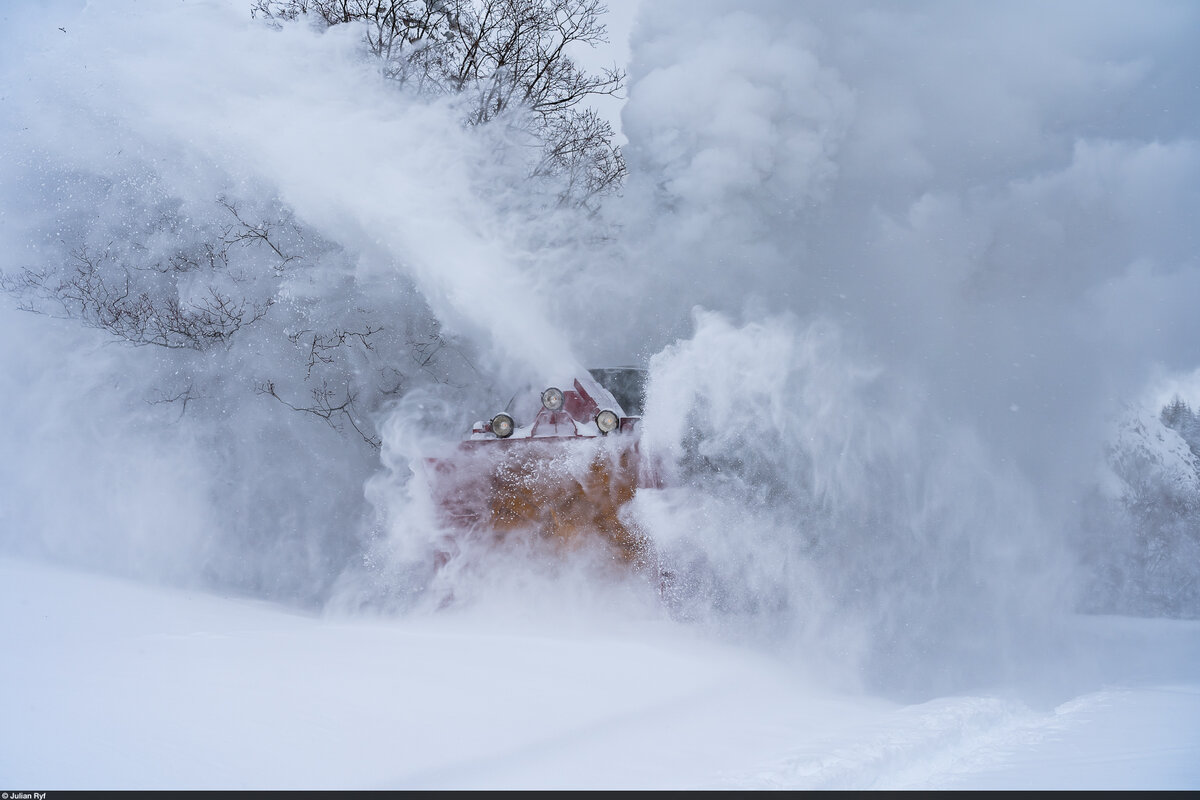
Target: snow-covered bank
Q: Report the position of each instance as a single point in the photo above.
(116, 685)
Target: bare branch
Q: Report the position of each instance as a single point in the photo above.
(322, 345)
(326, 406)
(183, 397)
(246, 234)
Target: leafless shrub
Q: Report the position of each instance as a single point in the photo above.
(100, 294)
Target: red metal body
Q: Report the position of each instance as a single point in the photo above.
(557, 476)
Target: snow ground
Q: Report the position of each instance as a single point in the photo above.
(109, 684)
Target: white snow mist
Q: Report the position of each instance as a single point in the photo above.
(892, 267)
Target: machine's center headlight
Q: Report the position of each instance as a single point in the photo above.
(502, 425)
(607, 421)
(552, 399)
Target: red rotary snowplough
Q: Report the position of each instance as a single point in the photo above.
(561, 464)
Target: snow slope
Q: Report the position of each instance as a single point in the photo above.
(107, 684)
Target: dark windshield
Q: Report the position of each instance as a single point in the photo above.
(627, 384)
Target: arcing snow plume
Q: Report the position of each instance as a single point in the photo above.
(162, 141)
(969, 195)
(215, 100)
(811, 499)
(996, 220)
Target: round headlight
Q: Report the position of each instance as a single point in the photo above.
(502, 425)
(552, 399)
(607, 421)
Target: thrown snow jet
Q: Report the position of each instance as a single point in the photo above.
(278, 119)
(560, 464)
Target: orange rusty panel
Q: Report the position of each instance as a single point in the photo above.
(567, 491)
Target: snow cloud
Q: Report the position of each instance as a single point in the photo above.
(1000, 208)
(900, 260)
(991, 216)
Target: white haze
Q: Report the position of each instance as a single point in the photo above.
(898, 263)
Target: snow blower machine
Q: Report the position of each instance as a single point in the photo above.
(560, 464)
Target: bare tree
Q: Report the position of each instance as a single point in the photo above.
(507, 59)
(225, 280)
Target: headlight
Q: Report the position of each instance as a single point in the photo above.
(502, 425)
(552, 399)
(607, 421)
